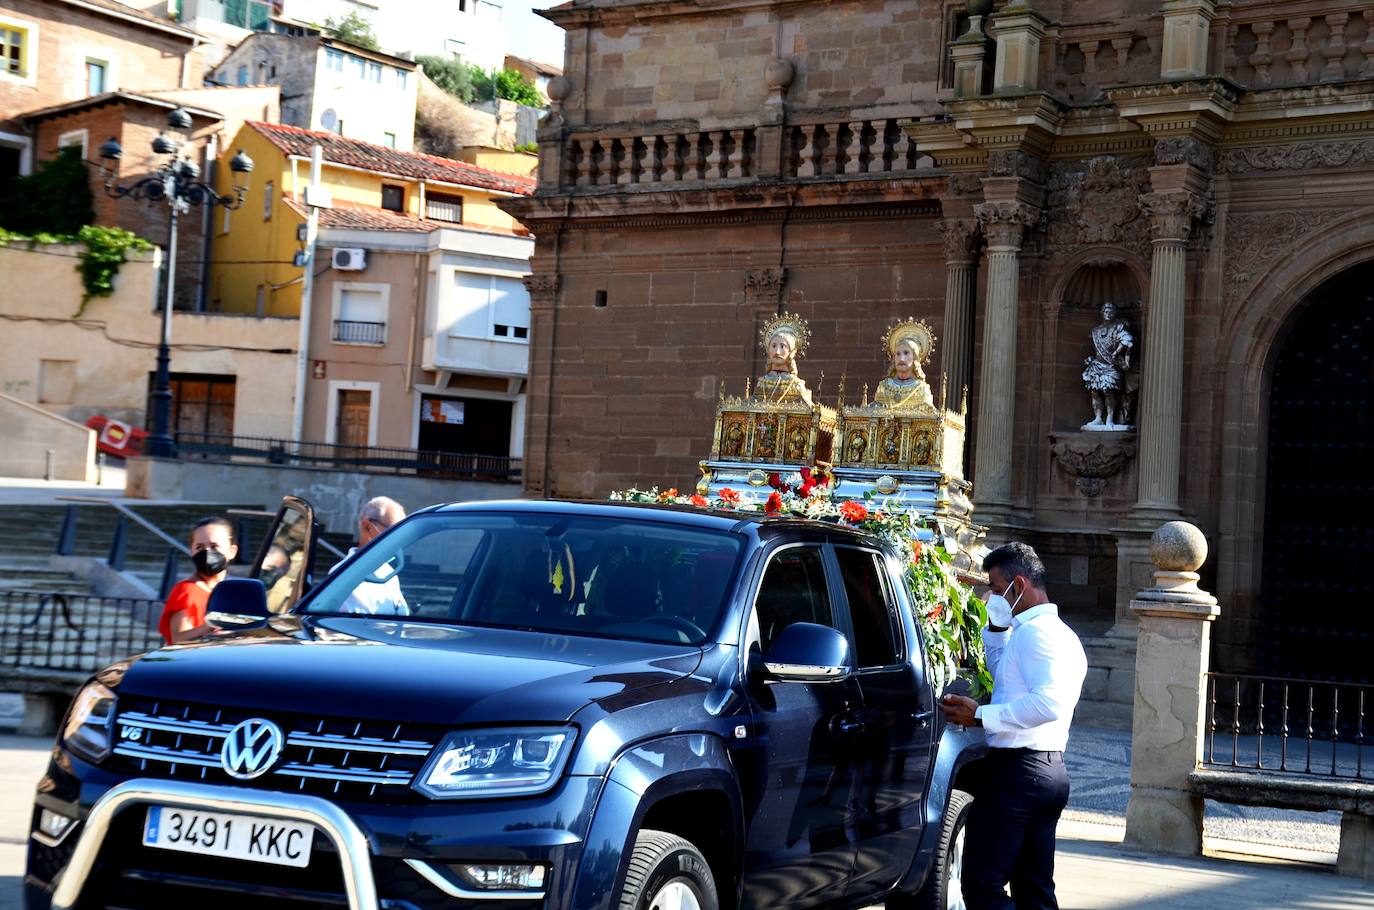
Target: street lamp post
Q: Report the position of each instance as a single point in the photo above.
(177, 183)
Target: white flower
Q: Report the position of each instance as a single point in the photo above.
(794, 479)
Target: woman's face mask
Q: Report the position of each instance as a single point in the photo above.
(209, 562)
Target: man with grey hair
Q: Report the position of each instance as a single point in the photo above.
(1020, 789)
(380, 595)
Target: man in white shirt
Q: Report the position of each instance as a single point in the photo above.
(1038, 666)
(380, 595)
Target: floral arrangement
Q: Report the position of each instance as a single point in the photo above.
(951, 617)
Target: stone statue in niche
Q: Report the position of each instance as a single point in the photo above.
(1105, 373)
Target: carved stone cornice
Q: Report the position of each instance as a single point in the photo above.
(1016, 163)
(764, 287)
(1005, 223)
(1297, 157)
(961, 238)
(543, 289)
(1174, 215)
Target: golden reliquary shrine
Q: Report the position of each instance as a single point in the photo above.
(900, 447)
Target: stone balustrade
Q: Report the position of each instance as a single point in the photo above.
(597, 159)
(850, 147)
(1282, 44)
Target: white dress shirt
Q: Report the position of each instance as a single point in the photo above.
(380, 595)
(1038, 667)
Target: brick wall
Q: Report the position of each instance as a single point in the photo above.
(139, 58)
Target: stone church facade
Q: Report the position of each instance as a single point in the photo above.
(1207, 166)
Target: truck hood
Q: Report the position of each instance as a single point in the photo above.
(406, 671)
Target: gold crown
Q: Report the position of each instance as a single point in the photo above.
(791, 325)
(914, 331)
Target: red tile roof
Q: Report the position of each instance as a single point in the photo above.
(379, 158)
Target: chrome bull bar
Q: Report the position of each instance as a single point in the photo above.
(348, 838)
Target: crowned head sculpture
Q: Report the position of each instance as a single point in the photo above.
(908, 344)
(784, 340)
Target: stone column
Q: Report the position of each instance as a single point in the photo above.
(1161, 398)
(1004, 225)
(1187, 29)
(1164, 815)
(960, 262)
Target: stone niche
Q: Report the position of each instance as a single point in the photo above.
(1093, 469)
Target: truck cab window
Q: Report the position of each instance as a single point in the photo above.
(793, 591)
(870, 607)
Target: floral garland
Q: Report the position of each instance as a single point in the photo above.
(951, 616)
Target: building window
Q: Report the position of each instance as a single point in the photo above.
(74, 139)
(242, 76)
(267, 189)
(401, 79)
(95, 77)
(462, 6)
(465, 426)
(356, 66)
(14, 49)
(439, 207)
(490, 306)
(374, 72)
(361, 315)
(389, 140)
(393, 198)
(334, 60)
(202, 404)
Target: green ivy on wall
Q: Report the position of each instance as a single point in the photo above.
(106, 249)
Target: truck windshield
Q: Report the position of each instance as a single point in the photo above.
(579, 575)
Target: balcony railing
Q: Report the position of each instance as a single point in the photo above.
(368, 459)
(349, 332)
(1284, 43)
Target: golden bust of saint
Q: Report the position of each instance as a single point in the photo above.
(784, 339)
(908, 344)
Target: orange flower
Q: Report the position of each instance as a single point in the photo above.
(698, 500)
(853, 512)
(669, 495)
(937, 612)
(730, 496)
(774, 504)
(915, 551)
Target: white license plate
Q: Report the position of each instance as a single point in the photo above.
(250, 837)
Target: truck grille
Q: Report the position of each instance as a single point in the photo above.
(330, 756)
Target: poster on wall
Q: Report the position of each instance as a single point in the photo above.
(439, 410)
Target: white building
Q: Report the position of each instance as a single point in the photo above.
(330, 86)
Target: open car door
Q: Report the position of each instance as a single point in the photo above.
(285, 562)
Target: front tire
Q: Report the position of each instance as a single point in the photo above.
(943, 889)
(667, 873)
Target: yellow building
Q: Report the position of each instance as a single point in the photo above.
(255, 248)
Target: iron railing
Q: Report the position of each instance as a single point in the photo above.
(372, 459)
(74, 632)
(1293, 726)
(350, 332)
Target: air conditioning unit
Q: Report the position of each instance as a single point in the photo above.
(350, 260)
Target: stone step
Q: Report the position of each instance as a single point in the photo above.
(1102, 715)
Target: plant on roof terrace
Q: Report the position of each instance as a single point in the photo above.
(950, 614)
(354, 29)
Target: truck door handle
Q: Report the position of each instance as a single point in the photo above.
(922, 718)
(851, 727)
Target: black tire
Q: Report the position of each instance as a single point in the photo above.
(936, 893)
(661, 866)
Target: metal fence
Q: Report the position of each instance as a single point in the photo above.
(372, 459)
(351, 332)
(74, 632)
(1297, 726)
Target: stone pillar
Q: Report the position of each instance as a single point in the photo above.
(769, 145)
(1187, 27)
(1018, 29)
(1161, 399)
(1004, 225)
(539, 402)
(969, 51)
(553, 168)
(960, 263)
(1164, 815)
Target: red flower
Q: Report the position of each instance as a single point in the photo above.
(853, 512)
(730, 496)
(668, 496)
(915, 551)
(775, 481)
(698, 500)
(936, 613)
(774, 504)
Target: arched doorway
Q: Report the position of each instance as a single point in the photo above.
(1317, 588)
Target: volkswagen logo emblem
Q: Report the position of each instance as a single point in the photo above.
(252, 748)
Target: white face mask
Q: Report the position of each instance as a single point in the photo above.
(999, 610)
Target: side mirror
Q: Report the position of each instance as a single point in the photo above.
(807, 652)
(237, 602)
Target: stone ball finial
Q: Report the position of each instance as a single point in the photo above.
(559, 88)
(779, 74)
(1178, 547)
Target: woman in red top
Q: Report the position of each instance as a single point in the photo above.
(212, 549)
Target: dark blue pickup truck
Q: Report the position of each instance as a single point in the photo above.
(523, 705)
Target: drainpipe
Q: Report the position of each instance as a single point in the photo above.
(314, 203)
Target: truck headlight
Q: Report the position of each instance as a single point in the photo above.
(507, 762)
(89, 723)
